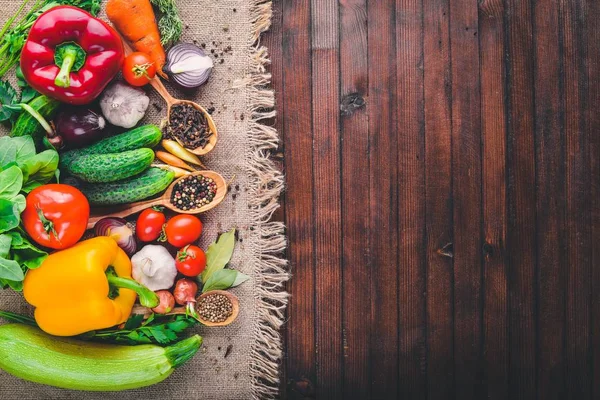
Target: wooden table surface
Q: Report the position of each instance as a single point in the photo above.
(443, 197)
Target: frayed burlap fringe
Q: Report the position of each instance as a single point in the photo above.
(266, 186)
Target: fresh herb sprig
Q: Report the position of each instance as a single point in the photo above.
(14, 32)
(169, 24)
(156, 329)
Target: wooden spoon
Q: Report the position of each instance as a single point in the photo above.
(182, 310)
(171, 101)
(164, 200)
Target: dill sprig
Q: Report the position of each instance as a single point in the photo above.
(169, 24)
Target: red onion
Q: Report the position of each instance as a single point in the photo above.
(120, 231)
(79, 126)
(188, 65)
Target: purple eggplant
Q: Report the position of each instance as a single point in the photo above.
(79, 127)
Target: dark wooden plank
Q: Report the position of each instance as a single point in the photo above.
(549, 127)
(493, 131)
(326, 192)
(438, 200)
(521, 243)
(297, 104)
(592, 117)
(466, 191)
(383, 199)
(577, 236)
(355, 206)
(411, 184)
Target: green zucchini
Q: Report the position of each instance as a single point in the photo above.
(146, 136)
(148, 184)
(26, 124)
(100, 168)
(28, 353)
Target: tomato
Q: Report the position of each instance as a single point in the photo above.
(149, 224)
(56, 215)
(191, 261)
(138, 69)
(183, 230)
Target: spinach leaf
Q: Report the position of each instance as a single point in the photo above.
(8, 151)
(5, 241)
(25, 149)
(10, 270)
(40, 169)
(11, 181)
(25, 252)
(219, 254)
(9, 215)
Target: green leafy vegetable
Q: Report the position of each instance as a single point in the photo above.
(9, 215)
(11, 181)
(21, 169)
(27, 92)
(40, 169)
(219, 254)
(8, 96)
(224, 279)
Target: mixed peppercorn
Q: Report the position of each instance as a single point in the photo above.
(215, 308)
(193, 192)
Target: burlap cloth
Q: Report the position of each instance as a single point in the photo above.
(240, 361)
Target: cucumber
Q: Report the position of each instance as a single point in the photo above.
(99, 168)
(26, 124)
(148, 184)
(28, 353)
(146, 136)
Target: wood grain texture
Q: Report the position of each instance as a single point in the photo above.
(326, 193)
(577, 218)
(521, 200)
(438, 200)
(299, 199)
(493, 136)
(550, 198)
(383, 217)
(443, 203)
(355, 206)
(411, 192)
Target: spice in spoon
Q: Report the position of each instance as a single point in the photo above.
(215, 308)
(189, 126)
(193, 192)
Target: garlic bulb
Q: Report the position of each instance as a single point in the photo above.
(124, 105)
(154, 267)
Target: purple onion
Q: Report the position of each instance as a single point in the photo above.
(79, 126)
(188, 65)
(120, 231)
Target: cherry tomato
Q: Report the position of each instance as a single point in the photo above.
(56, 215)
(138, 69)
(183, 230)
(149, 224)
(191, 261)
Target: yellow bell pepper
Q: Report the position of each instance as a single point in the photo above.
(74, 289)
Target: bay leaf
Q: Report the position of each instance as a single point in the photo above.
(219, 254)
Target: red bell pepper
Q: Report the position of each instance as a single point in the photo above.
(70, 55)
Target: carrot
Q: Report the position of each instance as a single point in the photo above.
(135, 20)
(170, 159)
